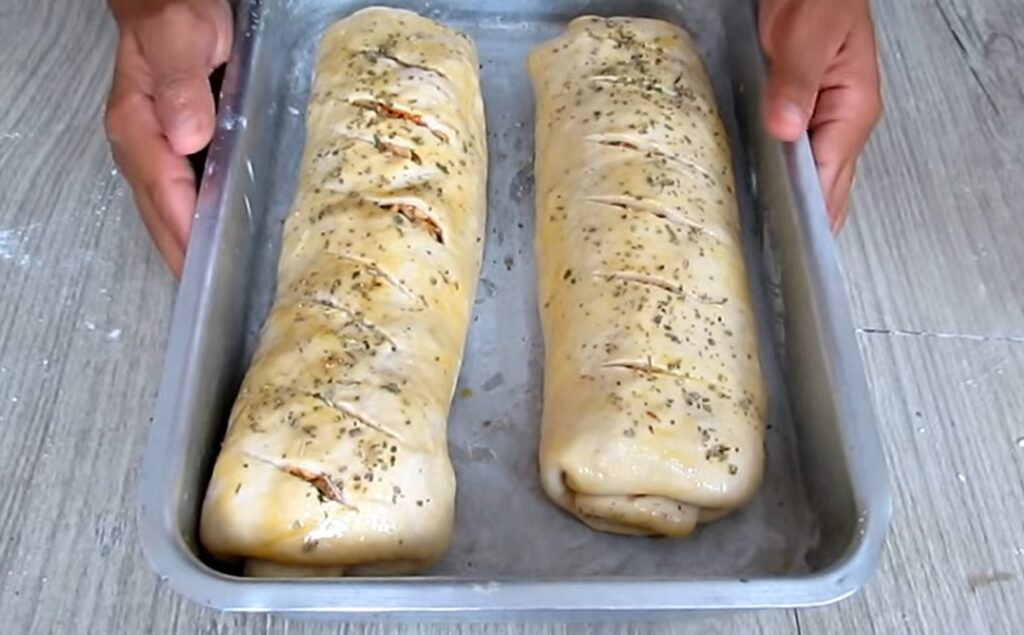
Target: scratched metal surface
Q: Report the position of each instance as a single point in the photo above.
(494, 423)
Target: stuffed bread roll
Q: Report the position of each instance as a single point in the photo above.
(653, 393)
(335, 459)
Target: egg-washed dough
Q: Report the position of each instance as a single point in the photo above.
(653, 393)
(335, 459)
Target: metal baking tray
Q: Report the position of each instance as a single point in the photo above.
(811, 536)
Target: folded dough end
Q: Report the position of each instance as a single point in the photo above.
(592, 484)
(271, 569)
(644, 515)
(278, 521)
(631, 515)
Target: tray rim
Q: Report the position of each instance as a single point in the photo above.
(435, 597)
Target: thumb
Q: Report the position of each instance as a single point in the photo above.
(800, 47)
(182, 49)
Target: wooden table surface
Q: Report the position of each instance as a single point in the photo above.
(934, 257)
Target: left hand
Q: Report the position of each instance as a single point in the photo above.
(161, 108)
(823, 79)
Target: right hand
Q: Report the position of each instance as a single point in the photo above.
(161, 108)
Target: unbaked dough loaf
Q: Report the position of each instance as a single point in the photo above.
(335, 459)
(653, 393)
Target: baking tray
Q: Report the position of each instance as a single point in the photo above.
(811, 536)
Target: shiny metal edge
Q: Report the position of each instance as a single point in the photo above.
(167, 554)
(437, 598)
(844, 367)
(864, 454)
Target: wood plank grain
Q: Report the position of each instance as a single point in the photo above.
(954, 438)
(934, 243)
(56, 65)
(82, 322)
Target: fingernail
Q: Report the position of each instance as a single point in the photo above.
(186, 124)
(791, 114)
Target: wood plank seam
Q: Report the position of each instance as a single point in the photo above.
(1007, 339)
(965, 52)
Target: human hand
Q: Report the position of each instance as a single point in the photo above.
(824, 79)
(161, 108)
